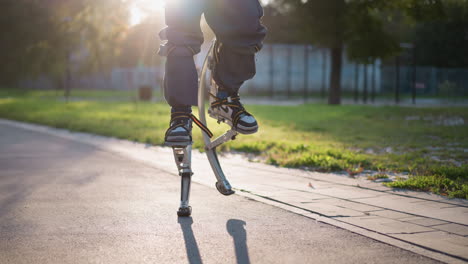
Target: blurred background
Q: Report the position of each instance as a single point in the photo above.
(334, 51)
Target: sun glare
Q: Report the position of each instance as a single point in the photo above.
(140, 9)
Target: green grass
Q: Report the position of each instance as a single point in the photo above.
(82, 94)
(449, 181)
(377, 176)
(316, 137)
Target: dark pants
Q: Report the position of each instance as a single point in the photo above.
(237, 26)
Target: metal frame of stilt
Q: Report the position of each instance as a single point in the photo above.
(182, 154)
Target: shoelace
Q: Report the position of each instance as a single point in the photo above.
(233, 102)
(182, 115)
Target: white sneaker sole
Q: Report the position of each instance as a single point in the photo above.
(241, 129)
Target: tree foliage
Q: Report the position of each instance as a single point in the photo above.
(39, 36)
(282, 27)
(358, 25)
(102, 26)
(141, 43)
(22, 44)
(443, 42)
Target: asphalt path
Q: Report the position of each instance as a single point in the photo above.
(67, 202)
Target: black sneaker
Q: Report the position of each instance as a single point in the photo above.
(231, 111)
(180, 130)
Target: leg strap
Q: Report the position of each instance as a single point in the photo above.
(182, 115)
(233, 102)
(201, 126)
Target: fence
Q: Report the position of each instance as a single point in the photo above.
(289, 70)
(286, 71)
(304, 70)
(429, 81)
(117, 79)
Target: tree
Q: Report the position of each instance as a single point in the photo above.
(141, 43)
(443, 42)
(358, 25)
(23, 25)
(282, 27)
(39, 37)
(102, 26)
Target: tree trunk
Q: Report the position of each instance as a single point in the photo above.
(356, 83)
(324, 73)
(364, 93)
(67, 81)
(334, 97)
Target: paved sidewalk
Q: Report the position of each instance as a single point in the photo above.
(427, 224)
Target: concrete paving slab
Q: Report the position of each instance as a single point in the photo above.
(456, 215)
(443, 241)
(461, 230)
(385, 225)
(435, 205)
(389, 201)
(269, 178)
(350, 205)
(373, 186)
(329, 210)
(390, 214)
(410, 205)
(428, 196)
(423, 221)
(295, 196)
(297, 174)
(345, 192)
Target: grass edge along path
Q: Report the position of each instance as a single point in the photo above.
(313, 137)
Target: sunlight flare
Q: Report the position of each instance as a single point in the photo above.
(140, 9)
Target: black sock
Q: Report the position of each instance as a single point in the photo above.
(224, 94)
(183, 108)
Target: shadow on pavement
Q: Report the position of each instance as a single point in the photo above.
(193, 253)
(236, 229)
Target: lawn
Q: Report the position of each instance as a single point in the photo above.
(428, 143)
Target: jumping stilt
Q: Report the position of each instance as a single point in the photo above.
(182, 153)
(207, 86)
(183, 159)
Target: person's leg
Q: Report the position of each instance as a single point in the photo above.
(239, 35)
(182, 40)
